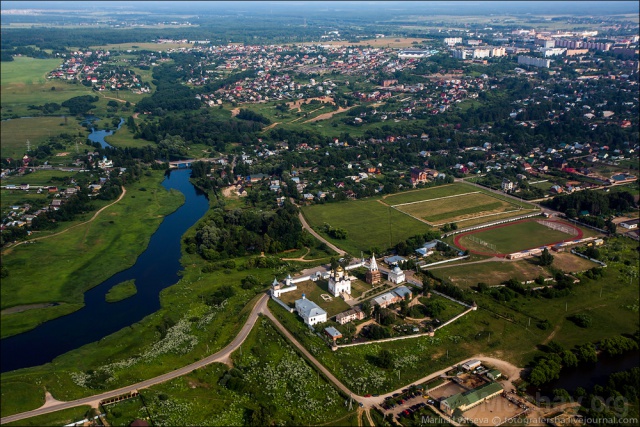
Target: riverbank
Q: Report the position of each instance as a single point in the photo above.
(82, 257)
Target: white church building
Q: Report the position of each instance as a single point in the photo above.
(396, 275)
(339, 282)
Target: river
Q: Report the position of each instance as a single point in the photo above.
(155, 269)
(98, 135)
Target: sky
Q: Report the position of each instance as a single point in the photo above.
(533, 7)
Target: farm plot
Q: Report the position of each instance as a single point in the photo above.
(516, 236)
(457, 208)
(428, 194)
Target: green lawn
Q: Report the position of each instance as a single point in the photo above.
(26, 71)
(121, 291)
(456, 208)
(514, 237)
(37, 130)
(368, 223)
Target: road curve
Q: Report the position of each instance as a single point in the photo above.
(307, 227)
(95, 215)
(220, 356)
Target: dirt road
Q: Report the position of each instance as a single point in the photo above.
(95, 215)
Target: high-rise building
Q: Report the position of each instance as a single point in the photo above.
(536, 62)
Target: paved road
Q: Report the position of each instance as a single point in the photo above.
(221, 356)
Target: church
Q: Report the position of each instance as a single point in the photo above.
(339, 282)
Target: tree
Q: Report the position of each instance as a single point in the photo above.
(384, 359)
(546, 258)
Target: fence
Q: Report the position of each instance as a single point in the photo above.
(444, 262)
(285, 306)
(490, 224)
(573, 251)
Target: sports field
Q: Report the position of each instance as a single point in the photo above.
(516, 236)
(456, 203)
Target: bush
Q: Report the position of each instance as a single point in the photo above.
(581, 320)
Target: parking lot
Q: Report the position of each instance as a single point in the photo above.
(409, 402)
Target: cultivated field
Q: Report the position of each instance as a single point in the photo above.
(368, 223)
(517, 236)
(494, 273)
(455, 203)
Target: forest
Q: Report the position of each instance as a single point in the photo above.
(240, 232)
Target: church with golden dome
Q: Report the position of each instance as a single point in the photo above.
(339, 282)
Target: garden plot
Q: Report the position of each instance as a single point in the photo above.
(457, 208)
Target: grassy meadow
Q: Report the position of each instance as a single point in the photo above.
(123, 229)
(514, 237)
(25, 83)
(368, 223)
(267, 369)
(428, 193)
(27, 71)
(121, 291)
(494, 273)
(37, 130)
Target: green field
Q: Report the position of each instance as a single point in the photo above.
(37, 130)
(25, 83)
(459, 202)
(429, 193)
(494, 273)
(458, 208)
(514, 237)
(121, 291)
(26, 71)
(123, 229)
(368, 223)
(267, 372)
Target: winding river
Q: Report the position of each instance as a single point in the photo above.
(155, 269)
